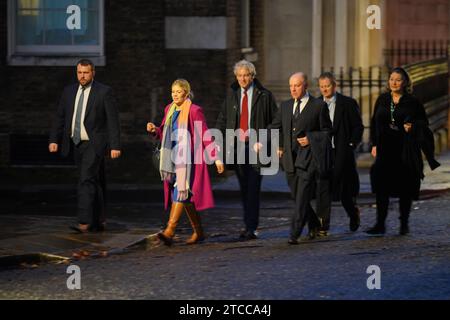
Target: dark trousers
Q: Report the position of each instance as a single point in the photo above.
(250, 180)
(303, 191)
(91, 185)
(405, 203)
(348, 201)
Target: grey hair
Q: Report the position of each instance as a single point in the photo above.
(245, 64)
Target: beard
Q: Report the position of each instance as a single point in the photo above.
(86, 83)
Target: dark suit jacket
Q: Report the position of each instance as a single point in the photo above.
(314, 117)
(347, 132)
(263, 111)
(318, 153)
(101, 119)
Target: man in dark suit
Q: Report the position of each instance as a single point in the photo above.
(248, 107)
(347, 134)
(87, 121)
(302, 120)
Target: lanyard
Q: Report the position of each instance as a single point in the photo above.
(392, 112)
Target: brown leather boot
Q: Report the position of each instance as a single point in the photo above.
(175, 213)
(196, 223)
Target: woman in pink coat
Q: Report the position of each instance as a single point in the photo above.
(184, 137)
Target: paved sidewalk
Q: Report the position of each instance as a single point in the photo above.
(34, 223)
(416, 266)
(438, 179)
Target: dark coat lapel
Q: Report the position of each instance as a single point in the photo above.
(237, 106)
(72, 98)
(91, 100)
(338, 111)
(304, 114)
(255, 96)
(291, 107)
(289, 115)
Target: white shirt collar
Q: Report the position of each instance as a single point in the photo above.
(305, 97)
(331, 100)
(248, 89)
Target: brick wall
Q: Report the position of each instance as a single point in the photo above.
(206, 72)
(257, 35)
(5, 115)
(138, 68)
(135, 60)
(135, 69)
(134, 50)
(234, 50)
(200, 8)
(204, 69)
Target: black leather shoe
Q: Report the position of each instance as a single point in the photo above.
(404, 229)
(312, 234)
(377, 229)
(97, 228)
(252, 235)
(167, 241)
(293, 241)
(322, 233)
(248, 235)
(78, 229)
(355, 221)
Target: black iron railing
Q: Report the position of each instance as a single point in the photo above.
(402, 52)
(430, 80)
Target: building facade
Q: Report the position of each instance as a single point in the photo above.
(141, 46)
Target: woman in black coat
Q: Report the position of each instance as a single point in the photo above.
(399, 131)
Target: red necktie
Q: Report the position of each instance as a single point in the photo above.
(244, 117)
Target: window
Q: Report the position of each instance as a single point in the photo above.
(55, 32)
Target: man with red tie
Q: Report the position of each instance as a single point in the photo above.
(248, 108)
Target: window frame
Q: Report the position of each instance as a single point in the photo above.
(50, 55)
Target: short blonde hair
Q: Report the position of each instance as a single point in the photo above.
(184, 84)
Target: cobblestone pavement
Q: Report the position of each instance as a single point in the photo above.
(416, 266)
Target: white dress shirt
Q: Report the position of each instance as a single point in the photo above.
(303, 101)
(331, 109)
(331, 106)
(83, 133)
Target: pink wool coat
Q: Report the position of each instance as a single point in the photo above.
(202, 196)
